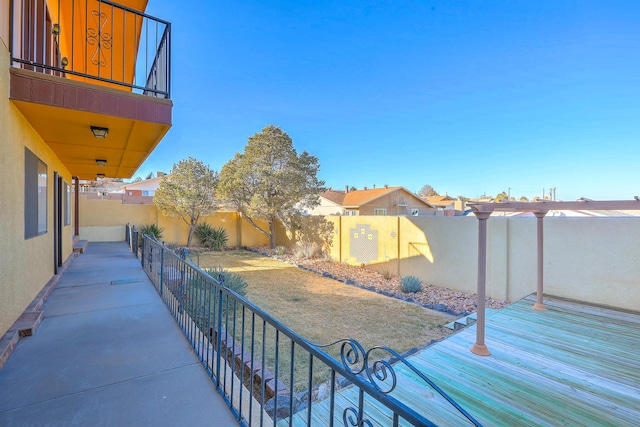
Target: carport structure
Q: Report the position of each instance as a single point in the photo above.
(484, 210)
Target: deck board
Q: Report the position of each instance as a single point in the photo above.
(574, 364)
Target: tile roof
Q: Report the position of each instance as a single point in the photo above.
(360, 197)
(334, 196)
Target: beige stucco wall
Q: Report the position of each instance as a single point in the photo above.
(25, 265)
(589, 259)
(105, 220)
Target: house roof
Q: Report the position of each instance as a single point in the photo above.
(440, 199)
(145, 183)
(334, 196)
(361, 197)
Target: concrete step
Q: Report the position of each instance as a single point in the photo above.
(80, 245)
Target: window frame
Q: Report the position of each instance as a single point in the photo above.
(67, 204)
(36, 195)
(380, 211)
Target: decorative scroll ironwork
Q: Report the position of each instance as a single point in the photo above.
(380, 373)
(348, 417)
(99, 38)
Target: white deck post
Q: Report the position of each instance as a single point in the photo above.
(539, 305)
(479, 347)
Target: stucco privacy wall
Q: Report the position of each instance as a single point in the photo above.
(590, 259)
(25, 265)
(105, 220)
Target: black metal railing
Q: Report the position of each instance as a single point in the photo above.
(132, 237)
(271, 376)
(97, 40)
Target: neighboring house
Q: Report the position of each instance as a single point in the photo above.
(382, 201)
(99, 187)
(330, 203)
(147, 187)
(69, 111)
(446, 203)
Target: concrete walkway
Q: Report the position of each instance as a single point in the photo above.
(107, 353)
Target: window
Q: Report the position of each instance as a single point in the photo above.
(35, 195)
(349, 212)
(148, 192)
(379, 211)
(414, 212)
(67, 204)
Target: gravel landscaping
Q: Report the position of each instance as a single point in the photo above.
(434, 297)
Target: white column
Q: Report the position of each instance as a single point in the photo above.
(539, 305)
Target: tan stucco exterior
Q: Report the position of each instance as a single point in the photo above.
(588, 259)
(105, 221)
(26, 264)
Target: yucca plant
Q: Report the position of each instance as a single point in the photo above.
(150, 229)
(210, 237)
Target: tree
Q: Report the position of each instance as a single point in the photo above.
(524, 199)
(502, 197)
(427, 191)
(271, 181)
(189, 192)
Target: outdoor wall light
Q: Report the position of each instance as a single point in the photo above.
(100, 175)
(99, 132)
(101, 162)
(55, 29)
(64, 62)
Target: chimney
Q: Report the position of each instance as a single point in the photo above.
(346, 188)
(386, 186)
(365, 188)
(374, 186)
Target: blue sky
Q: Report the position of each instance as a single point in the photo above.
(471, 97)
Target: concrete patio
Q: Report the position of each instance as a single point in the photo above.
(108, 352)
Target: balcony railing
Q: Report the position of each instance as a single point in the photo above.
(95, 41)
(269, 375)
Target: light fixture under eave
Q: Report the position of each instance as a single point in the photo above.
(99, 132)
(100, 175)
(101, 162)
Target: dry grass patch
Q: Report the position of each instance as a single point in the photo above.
(324, 310)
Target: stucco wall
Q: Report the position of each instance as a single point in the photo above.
(589, 259)
(25, 265)
(105, 220)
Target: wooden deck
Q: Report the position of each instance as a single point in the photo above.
(573, 365)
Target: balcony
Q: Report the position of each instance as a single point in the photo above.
(92, 63)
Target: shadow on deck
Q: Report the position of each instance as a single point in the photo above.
(574, 364)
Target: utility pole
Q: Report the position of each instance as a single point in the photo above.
(509, 193)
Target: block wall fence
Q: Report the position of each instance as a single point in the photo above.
(595, 259)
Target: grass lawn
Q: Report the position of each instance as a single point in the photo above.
(324, 310)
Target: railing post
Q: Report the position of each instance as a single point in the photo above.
(219, 340)
(161, 271)
(479, 347)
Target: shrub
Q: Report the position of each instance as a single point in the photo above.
(410, 284)
(233, 281)
(386, 273)
(280, 250)
(149, 229)
(214, 238)
(304, 250)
